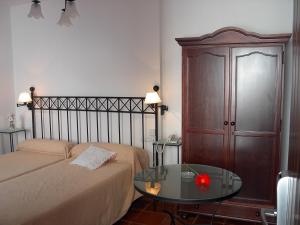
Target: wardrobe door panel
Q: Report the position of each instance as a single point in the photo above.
(256, 91)
(207, 149)
(253, 162)
(205, 105)
(206, 95)
(255, 120)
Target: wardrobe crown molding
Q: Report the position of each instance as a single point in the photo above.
(232, 36)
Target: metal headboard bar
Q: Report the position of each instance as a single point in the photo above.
(96, 104)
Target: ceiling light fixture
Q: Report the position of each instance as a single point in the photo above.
(35, 10)
(64, 19)
(70, 11)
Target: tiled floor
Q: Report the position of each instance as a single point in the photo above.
(142, 213)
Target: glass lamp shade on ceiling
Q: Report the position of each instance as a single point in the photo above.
(35, 10)
(71, 9)
(69, 12)
(64, 19)
(152, 98)
(24, 97)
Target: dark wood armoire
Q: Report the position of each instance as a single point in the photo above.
(232, 92)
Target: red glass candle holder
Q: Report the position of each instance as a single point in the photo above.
(202, 180)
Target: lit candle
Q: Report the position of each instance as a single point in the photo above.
(202, 180)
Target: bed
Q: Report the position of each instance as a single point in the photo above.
(62, 193)
(65, 194)
(32, 155)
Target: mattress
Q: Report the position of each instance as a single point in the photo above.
(19, 163)
(63, 194)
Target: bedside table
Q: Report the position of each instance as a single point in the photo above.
(11, 133)
(161, 143)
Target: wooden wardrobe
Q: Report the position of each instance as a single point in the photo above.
(232, 92)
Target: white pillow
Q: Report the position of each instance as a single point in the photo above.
(93, 157)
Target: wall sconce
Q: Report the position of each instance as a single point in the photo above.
(153, 98)
(25, 99)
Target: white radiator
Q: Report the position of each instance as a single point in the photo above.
(284, 187)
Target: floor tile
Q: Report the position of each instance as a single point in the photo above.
(151, 218)
(132, 215)
(141, 203)
(121, 222)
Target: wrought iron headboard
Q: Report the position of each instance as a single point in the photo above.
(52, 107)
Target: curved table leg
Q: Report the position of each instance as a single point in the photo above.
(184, 214)
(175, 218)
(172, 217)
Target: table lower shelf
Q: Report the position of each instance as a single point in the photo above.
(227, 210)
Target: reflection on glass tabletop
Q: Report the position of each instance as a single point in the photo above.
(188, 183)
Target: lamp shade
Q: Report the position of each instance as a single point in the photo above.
(71, 9)
(24, 97)
(64, 19)
(152, 98)
(35, 10)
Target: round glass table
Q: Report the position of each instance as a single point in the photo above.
(187, 184)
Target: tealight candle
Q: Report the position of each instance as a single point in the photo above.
(202, 179)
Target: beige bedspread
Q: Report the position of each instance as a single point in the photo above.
(64, 194)
(19, 163)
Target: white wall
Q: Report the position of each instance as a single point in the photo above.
(198, 17)
(7, 98)
(112, 49)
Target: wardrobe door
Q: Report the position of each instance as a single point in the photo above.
(255, 120)
(205, 105)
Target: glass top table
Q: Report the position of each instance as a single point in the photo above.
(188, 183)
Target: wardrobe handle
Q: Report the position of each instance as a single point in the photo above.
(232, 123)
(225, 123)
